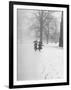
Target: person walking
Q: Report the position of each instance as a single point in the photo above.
(40, 46)
(35, 45)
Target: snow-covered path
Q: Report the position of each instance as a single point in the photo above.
(46, 64)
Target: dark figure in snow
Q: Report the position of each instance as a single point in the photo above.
(35, 45)
(40, 45)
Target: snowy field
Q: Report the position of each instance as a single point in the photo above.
(39, 65)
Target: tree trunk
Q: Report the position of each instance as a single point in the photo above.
(41, 25)
(61, 32)
(48, 34)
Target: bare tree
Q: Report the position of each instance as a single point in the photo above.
(43, 18)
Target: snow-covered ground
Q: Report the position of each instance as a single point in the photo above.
(39, 65)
